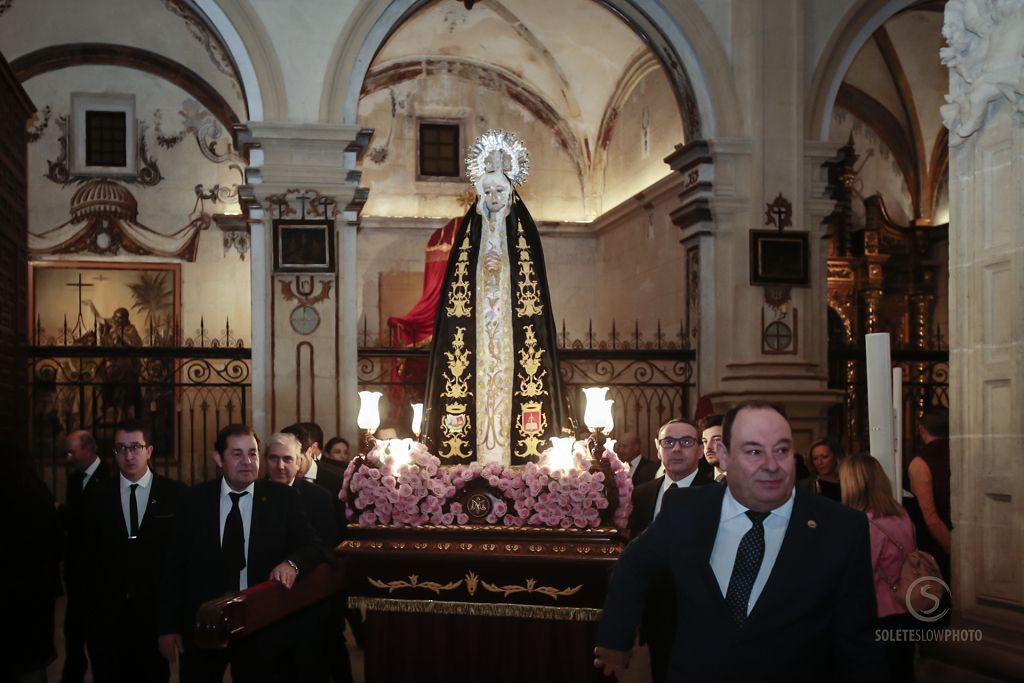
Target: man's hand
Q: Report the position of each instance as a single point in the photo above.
(170, 646)
(284, 574)
(612, 661)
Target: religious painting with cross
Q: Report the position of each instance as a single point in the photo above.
(84, 303)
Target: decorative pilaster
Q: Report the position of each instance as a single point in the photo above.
(986, 275)
(304, 313)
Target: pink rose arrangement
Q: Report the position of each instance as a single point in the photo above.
(385, 489)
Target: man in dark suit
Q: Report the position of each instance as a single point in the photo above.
(131, 521)
(282, 454)
(711, 440)
(771, 584)
(679, 450)
(310, 436)
(87, 471)
(642, 470)
(317, 636)
(232, 533)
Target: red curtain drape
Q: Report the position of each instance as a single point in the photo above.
(416, 328)
(417, 325)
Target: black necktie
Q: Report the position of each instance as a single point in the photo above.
(233, 544)
(748, 563)
(133, 513)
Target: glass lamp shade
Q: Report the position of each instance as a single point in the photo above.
(598, 412)
(417, 418)
(369, 410)
(610, 421)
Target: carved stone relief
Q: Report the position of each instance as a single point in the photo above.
(983, 52)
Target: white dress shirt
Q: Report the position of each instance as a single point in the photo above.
(732, 525)
(666, 484)
(634, 463)
(89, 471)
(245, 508)
(145, 483)
(310, 475)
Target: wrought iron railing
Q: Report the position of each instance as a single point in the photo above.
(183, 395)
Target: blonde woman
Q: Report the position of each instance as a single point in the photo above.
(866, 487)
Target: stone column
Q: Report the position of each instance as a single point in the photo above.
(986, 322)
(758, 341)
(305, 324)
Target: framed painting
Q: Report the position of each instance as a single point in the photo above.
(779, 258)
(121, 310)
(303, 246)
(85, 303)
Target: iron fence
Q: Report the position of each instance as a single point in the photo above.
(183, 395)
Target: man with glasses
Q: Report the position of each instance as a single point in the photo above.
(680, 451)
(131, 520)
(232, 533)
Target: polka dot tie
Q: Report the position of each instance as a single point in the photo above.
(747, 565)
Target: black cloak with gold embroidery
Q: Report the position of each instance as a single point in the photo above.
(538, 410)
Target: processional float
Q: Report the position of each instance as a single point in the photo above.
(481, 549)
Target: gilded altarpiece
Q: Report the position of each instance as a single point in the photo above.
(882, 277)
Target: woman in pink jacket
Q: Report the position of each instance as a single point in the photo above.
(866, 487)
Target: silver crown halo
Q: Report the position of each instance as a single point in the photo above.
(498, 151)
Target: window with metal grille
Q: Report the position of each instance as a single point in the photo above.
(106, 134)
(439, 149)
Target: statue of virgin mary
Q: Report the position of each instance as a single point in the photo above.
(493, 389)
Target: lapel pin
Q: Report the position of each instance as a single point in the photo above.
(811, 524)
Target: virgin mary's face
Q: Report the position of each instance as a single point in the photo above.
(495, 196)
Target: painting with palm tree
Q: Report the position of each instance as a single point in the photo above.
(153, 298)
(84, 303)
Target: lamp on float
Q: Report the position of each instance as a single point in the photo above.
(598, 418)
(417, 419)
(598, 413)
(398, 452)
(560, 457)
(368, 418)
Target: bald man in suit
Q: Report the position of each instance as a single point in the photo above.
(772, 584)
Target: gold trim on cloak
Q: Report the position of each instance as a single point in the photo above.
(455, 423)
(529, 299)
(459, 299)
(531, 385)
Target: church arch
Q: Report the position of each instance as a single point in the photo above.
(853, 30)
(58, 57)
(496, 78)
(247, 41)
(682, 38)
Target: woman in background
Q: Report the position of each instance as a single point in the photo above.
(826, 455)
(866, 487)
